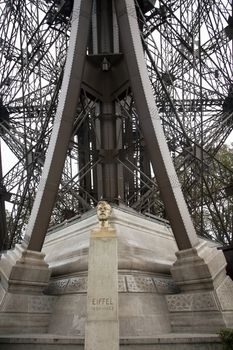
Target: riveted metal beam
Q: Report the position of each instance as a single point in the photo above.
(62, 128)
(163, 167)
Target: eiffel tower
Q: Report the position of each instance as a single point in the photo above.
(196, 121)
(114, 65)
(105, 66)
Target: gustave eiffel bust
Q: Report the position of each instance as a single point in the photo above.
(104, 211)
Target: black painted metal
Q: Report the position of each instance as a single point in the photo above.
(228, 253)
(196, 118)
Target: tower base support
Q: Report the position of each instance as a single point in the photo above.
(163, 342)
(205, 303)
(23, 306)
(153, 310)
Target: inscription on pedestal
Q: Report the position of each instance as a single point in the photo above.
(102, 303)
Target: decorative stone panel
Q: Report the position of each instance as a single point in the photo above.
(140, 284)
(126, 283)
(15, 303)
(165, 286)
(41, 304)
(192, 302)
(225, 294)
(22, 303)
(57, 287)
(121, 284)
(77, 285)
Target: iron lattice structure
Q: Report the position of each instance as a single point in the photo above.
(188, 50)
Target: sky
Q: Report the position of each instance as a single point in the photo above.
(8, 158)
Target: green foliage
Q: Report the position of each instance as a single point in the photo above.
(225, 156)
(226, 335)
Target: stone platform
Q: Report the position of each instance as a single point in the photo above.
(160, 342)
(153, 312)
(146, 251)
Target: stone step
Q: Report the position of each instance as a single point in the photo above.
(161, 342)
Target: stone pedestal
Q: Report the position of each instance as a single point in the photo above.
(23, 307)
(205, 303)
(102, 326)
(24, 270)
(146, 251)
(199, 268)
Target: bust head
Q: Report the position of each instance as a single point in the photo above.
(104, 211)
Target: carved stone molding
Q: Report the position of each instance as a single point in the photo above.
(128, 283)
(192, 302)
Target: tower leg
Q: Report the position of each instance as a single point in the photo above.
(24, 272)
(150, 123)
(62, 128)
(198, 267)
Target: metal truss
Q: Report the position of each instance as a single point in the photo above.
(188, 50)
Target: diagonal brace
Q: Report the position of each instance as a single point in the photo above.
(151, 127)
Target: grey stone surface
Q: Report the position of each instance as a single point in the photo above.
(192, 302)
(122, 287)
(27, 303)
(225, 294)
(143, 309)
(22, 313)
(140, 313)
(199, 268)
(57, 287)
(164, 342)
(143, 313)
(24, 271)
(143, 244)
(129, 282)
(140, 284)
(205, 303)
(165, 285)
(102, 324)
(23, 306)
(149, 302)
(77, 285)
(69, 315)
(18, 323)
(199, 321)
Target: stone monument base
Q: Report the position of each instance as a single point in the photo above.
(155, 307)
(163, 342)
(23, 306)
(205, 303)
(143, 309)
(146, 251)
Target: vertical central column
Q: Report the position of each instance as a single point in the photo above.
(108, 141)
(105, 26)
(105, 43)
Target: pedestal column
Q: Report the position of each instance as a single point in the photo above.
(102, 326)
